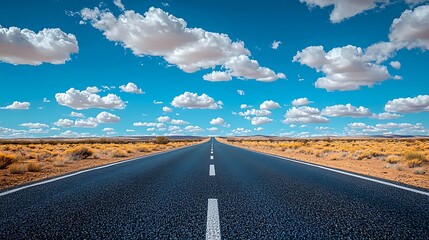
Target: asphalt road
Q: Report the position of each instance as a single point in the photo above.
(239, 194)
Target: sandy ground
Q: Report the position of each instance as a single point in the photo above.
(49, 170)
(369, 167)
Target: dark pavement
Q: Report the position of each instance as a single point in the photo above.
(259, 197)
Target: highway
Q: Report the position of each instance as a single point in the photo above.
(213, 191)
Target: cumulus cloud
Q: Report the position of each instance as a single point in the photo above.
(408, 105)
(149, 124)
(255, 112)
(131, 88)
(217, 121)
(93, 89)
(76, 114)
(91, 122)
(84, 100)
(260, 120)
(241, 92)
(360, 128)
(166, 109)
(386, 115)
(395, 64)
(17, 105)
(346, 111)
(34, 125)
(192, 100)
(193, 129)
(213, 129)
(344, 9)
(178, 122)
(119, 4)
(258, 129)
(244, 106)
(300, 102)
(304, 114)
(345, 68)
(164, 119)
(23, 46)
(269, 104)
(240, 131)
(158, 33)
(217, 76)
(275, 44)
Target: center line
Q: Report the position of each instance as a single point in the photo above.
(213, 225)
(212, 170)
(211, 157)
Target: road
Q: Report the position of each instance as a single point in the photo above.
(213, 191)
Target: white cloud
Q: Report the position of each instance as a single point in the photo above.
(108, 130)
(260, 120)
(395, 64)
(64, 123)
(34, 125)
(217, 121)
(255, 112)
(23, 46)
(344, 9)
(244, 106)
(45, 100)
(240, 131)
(411, 29)
(164, 119)
(166, 109)
(304, 114)
(258, 129)
(345, 68)
(241, 92)
(300, 102)
(386, 115)
(76, 114)
(18, 106)
(119, 4)
(86, 123)
(157, 102)
(269, 104)
(192, 100)
(179, 122)
(158, 33)
(93, 89)
(84, 100)
(71, 134)
(386, 128)
(346, 111)
(217, 76)
(408, 105)
(130, 130)
(105, 117)
(275, 44)
(213, 129)
(149, 124)
(131, 88)
(193, 129)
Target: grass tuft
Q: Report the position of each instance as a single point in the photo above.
(6, 160)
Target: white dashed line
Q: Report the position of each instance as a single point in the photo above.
(213, 224)
(212, 170)
(211, 157)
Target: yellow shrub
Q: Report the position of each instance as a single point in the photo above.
(6, 160)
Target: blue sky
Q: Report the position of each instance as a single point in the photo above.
(353, 69)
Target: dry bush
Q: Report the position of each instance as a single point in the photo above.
(79, 153)
(118, 153)
(161, 140)
(33, 167)
(414, 159)
(420, 171)
(18, 168)
(393, 159)
(59, 164)
(6, 160)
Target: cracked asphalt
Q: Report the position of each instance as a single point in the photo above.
(259, 197)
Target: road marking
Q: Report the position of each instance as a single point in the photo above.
(213, 224)
(212, 170)
(342, 172)
(211, 157)
(87, 170)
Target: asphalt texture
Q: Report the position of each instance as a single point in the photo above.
(259, 197)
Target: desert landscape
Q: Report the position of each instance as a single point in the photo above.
(28, 160)
(402, 160)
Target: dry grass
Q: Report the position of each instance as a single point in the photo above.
(47, 158)
(402, 160)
